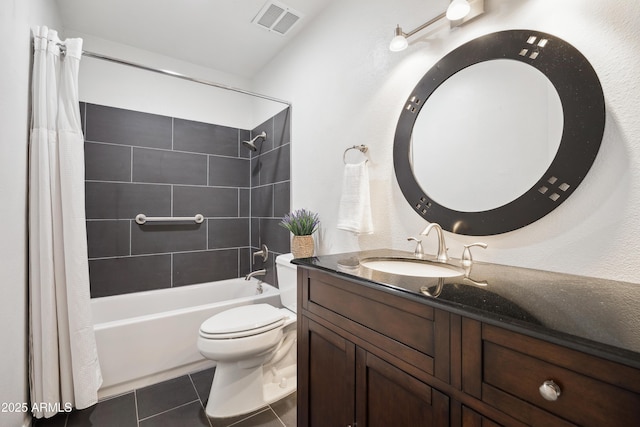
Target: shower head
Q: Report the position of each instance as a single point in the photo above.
(251, 144)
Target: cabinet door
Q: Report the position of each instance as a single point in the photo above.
(326, 381)
(471, 418)
(387, 396)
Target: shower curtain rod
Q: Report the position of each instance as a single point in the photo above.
(180, 76)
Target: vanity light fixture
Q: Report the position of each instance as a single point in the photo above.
(458, 12)
(399, 42)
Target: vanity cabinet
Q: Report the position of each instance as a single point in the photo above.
(371, 357)
(362, 355)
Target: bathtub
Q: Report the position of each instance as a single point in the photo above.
(147, 337)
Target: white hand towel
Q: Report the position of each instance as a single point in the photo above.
(354, 212)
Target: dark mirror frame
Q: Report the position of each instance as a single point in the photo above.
(584, 118)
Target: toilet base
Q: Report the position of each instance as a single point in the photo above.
(237, 391)
(243, 386)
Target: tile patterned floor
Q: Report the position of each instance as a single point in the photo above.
(178, 402)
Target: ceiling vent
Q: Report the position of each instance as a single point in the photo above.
(277, 17)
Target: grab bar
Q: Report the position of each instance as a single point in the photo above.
(142, 218)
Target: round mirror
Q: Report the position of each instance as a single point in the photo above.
(498, 124)
(499, 132)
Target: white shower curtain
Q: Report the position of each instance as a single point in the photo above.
(63, 359)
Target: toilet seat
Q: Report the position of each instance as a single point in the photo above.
(242, 322)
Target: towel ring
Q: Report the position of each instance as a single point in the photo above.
(362, 148)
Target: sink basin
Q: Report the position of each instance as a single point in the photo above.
(410, 267)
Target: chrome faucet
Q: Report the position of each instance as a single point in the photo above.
(442, 255)
(255, 273)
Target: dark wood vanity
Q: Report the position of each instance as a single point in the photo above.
(375, 355)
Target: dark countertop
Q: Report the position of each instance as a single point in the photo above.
(597, 316)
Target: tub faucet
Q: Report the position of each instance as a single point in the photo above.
(255, 273)
(442, 255)
(263, 253)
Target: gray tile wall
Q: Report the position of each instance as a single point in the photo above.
(270, 189)
(162, 166)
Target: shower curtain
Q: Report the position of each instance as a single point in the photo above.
(63, 361)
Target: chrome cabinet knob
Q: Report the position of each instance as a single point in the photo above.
(550, 391)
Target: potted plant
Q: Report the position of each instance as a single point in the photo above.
(302, 224)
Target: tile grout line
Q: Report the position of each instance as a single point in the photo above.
(135, 397)
(200, 400)
(191, 251)
(249, 417)
(130, 222)
(277, 416)
(170, 150)
(166, 184)
(273, 200)
(169, 410)
(250, 206)
(171, 203)
(194, 387)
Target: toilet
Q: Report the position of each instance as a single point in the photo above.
(254, 347)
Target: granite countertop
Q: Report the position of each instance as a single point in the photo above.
(597, 316)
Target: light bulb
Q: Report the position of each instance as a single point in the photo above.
(458, 9)
(399, 42)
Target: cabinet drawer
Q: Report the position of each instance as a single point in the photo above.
(511, 381)
(403, 320)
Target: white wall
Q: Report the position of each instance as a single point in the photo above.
(16, 19)
(107, 83)
(348, 88)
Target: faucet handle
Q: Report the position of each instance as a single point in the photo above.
(264, 253)
(467, 259)
(418, 252)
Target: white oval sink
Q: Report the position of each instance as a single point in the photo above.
(414, 268)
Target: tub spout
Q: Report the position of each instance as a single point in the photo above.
(255, 273)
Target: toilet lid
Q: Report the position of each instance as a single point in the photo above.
(242, 321)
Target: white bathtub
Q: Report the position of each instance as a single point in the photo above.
(148, 337)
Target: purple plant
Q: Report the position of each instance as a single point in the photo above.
(301, 222)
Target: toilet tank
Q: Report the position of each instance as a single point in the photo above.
(287, 281)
